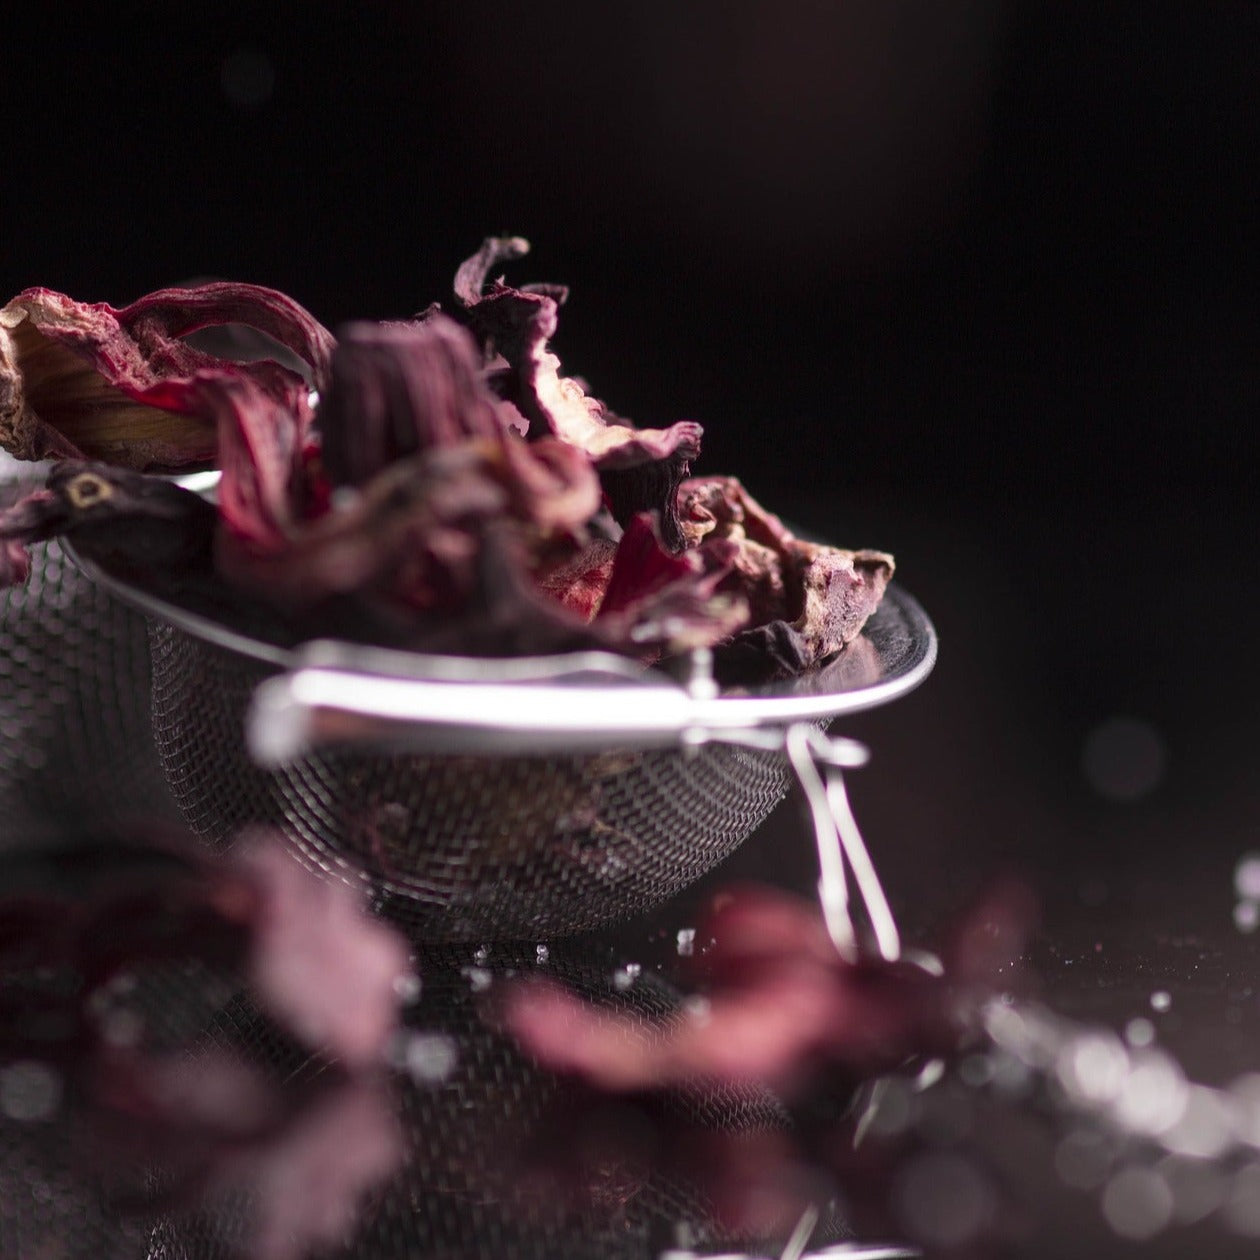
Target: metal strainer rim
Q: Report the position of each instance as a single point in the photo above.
(900, 632)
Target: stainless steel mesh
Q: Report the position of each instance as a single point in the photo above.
(76, 744)
(460, 847)
(474, 1141)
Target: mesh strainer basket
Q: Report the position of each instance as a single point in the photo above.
(76, 748)
(482, 800)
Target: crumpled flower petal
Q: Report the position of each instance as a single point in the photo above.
(397, 390)
(641, 468)
(84, 379)
(146, 527)
(806, 600)
(781, 1004)
(319, 962)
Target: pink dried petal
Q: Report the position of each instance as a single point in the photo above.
(642, 567)
(550, 484)
(658, 603)
(781, 1004)
(642, 468)
(413, 534)
(311, 1183)
(159, 319)
(83, 379)
(15, 563)
(578, 582)
(319, 963)
(214, 1097)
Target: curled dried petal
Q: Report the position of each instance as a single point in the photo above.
(260, 453)
(413, 534)
(148, 525)
(397, 390)
(807, 600)
(85, 379)
(641, 468)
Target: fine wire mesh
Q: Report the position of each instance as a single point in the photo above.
(460, 847)
(500, 1158)
(496, 1157)
(76, 743)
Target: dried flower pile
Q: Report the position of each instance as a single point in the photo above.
(433, 483)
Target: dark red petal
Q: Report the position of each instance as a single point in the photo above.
(399, 389)
(84, 379)
(642, 468)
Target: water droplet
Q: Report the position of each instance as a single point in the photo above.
(1137, 1203)
(1161, 1000)
(1247, 916)
(1123, 759)
(976, 1070)
(1139, 1032)
(1153, 1096)
(408, 988)
(481, 955)
(699, 1009)
(686, 942)
(893, 1108)
(1205, 1128)
(478, 978)
(431, 1057)
(1092, 1067)
(625, 976)
(541, 954)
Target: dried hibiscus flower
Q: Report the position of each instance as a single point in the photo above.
(452, 492)
(807, 601)
(82, 379)
(641, 468)
(780, 1005)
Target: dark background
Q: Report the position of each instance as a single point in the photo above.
(975, 282)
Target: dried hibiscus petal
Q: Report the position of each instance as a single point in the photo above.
(85, 379)
(641, 468)
(780, 1005)
(318, 962)
(806, 600)
(398, 389)
(659, 603)
(412, 535)
(260, 450)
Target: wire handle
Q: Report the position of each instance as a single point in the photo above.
(818, 761)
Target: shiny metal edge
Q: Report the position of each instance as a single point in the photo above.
(899, 633)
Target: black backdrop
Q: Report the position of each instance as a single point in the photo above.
(972, 281)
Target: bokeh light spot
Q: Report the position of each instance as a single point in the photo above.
(1123, 759)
